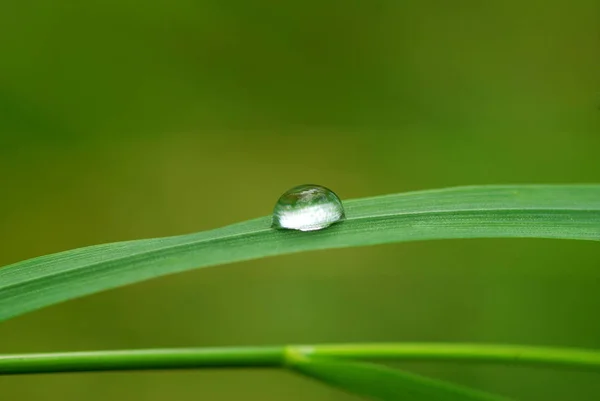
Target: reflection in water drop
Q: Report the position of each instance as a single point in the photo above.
(307, 208)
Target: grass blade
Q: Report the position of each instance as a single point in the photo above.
(541, 211)
(378, 382)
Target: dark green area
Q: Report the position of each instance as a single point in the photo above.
(125, 120)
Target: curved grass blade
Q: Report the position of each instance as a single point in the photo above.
(540, 211)
(378, 382)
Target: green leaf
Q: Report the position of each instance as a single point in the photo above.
(378, 382)
(542, 211)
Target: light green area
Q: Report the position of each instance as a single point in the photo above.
(122, 120)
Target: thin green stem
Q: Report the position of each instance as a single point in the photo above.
(147, 359)
(276, 356)
(485, 353)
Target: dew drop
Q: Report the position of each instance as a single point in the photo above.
(307, 208)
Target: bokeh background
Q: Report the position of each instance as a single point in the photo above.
(125, 119)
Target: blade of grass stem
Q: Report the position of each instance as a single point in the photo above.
(274, 356)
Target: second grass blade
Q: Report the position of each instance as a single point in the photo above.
(376, 382)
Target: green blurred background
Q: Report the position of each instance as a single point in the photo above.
(124, 119)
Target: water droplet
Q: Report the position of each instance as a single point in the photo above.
(307, 208)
